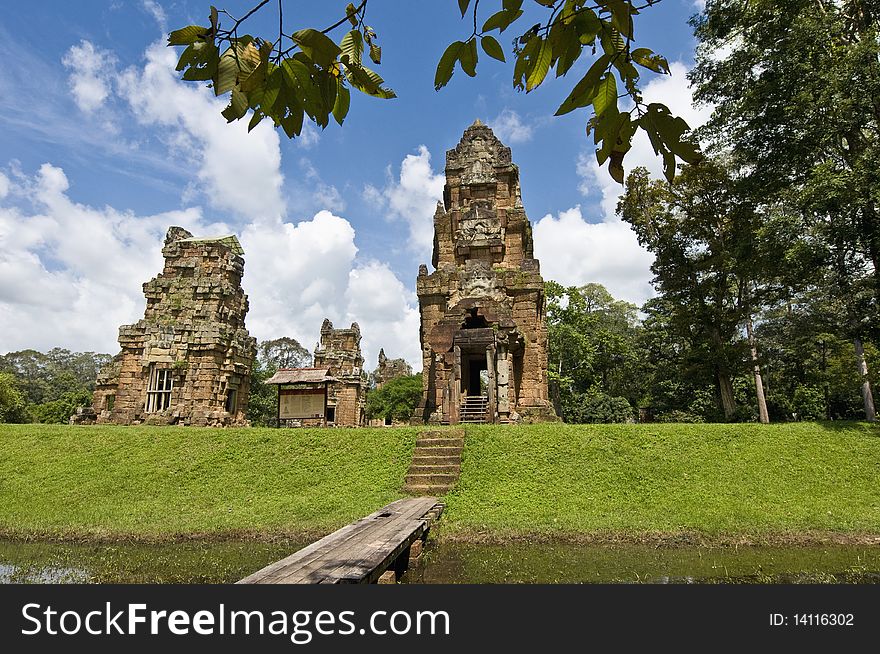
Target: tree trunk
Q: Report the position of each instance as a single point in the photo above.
(763, 416)
(728, 402)
(725, 388)
(862, 366)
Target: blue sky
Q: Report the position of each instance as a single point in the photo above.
(102, 147)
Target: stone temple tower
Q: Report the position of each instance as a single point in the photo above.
(483, 330)
(188, 361)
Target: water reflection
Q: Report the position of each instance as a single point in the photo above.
(447, 562)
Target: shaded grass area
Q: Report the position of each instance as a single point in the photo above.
(619, 480)
(165, 482)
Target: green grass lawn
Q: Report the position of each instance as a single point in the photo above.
(602, 480)
(164, 481)
(637, 479)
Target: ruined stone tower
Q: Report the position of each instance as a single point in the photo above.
(483, 330)
(188, 361)
(340, 352)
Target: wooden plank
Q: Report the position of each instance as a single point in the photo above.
(363, 540)
(331, 558)
(356, 548)
(335, 539)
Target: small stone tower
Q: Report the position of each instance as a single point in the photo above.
(188, 361)
(483, 330)
(340, 352)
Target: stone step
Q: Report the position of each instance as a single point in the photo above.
(435, 478)
(428, 489)
(439, 442)
(434, 468)
(438, 451)
(420, 458)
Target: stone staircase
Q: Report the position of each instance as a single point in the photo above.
(436, 462)
(473, 409)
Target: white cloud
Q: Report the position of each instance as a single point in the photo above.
(90, 74)
(323, 195)
(510, 129)
(309, 137)
(157, 12)
(413, 198)
(4, 186)
(387, 313)
(574, 252)
(240, 172)
(71, 274)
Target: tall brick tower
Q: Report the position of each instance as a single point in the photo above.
(483, 330)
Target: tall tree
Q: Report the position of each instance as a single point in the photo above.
(703, 238)
(796, 91)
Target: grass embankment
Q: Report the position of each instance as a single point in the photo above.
(158, 483)
(777, 483)
(790, 483)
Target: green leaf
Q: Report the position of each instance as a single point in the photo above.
(292, 123)
(200, 61)
(447, 64)
(606, 94)
(255, 119)
(319, 47)
(501, 20)
(583, 92)
(350, 13)
(492, 48)
(237, 108)
(189, 35)
(539, 66)
(468, 58)
(369, 82)
(352, 47)
(646, 58)
(343, 101)
(375, 54)
(235, 65)
(463, 6)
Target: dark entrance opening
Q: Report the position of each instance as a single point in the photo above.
(473, 368)
(474, 321)
(331, 414)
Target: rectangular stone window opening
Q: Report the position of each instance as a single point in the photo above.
(159, 389)
(231, 400)
(331, 414)
(109, 402)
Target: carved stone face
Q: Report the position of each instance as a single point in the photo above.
(479, 224)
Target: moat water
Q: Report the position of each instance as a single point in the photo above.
(446, 562)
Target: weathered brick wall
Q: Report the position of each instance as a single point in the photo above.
(193, 327)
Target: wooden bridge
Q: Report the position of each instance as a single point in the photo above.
(380, 545)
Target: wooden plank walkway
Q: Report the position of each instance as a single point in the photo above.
(358, 553)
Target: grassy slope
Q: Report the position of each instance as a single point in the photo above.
(151, 481)
(554, 479)
(713, 479)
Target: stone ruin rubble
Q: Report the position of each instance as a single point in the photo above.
(188, 361)
(483, 329)
(390, 369)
